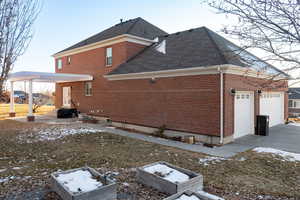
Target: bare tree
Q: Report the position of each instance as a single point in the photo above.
(271, 27)
(39, 101)
(16, 30)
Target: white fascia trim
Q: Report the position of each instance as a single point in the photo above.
(227, 69)
(107, 42)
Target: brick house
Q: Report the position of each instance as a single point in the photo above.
(294, 102)
(192, 81)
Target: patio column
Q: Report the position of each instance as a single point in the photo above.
(30, 116)
(12, 112)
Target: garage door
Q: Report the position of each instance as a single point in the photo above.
(243, 114)
(272, 104)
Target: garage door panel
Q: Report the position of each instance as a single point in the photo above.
(243, 114)
(272, 104)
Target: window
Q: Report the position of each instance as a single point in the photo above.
(294, 103)
(108, 56)
(291, 103)
(88, 89)
(59, 63)
(69, 60)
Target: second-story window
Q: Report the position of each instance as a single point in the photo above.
(108, 56)
(59, 63)
(69, 60)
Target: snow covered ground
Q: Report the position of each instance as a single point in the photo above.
(211, 160)
(294, 124)
(79, 181)
(167, 173)
(185, 197)
(54, 133)
(286, 156)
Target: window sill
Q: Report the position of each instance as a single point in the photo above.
(108, 65)
(88, 95)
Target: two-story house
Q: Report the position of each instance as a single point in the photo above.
(294, 102)
(192, 81)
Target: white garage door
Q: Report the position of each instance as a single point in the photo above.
(272, 104)
(243, 114)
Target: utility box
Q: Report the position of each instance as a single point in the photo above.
(262, 125)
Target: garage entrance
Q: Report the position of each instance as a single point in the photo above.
(243, 114)
(272, 104)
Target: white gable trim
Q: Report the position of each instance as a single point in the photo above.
(107, 42)
(227, 69)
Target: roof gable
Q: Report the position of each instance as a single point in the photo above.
(137, 27)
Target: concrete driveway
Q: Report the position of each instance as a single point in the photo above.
(283, 137)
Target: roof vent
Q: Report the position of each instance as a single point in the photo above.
(191, 30)
(161, 47)
(166, 35)
(177, 33)
(121, 20)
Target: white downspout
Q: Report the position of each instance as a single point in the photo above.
(221, 106)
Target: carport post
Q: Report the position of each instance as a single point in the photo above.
(30, 116)
(12, 101)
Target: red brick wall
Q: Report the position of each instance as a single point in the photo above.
(93, 62)
(243, 83)
(181, 103)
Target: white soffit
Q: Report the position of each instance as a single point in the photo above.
(48, 77)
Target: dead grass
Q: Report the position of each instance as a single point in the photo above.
(233, 179)
(22, 110)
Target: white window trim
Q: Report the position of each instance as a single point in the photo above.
(106, 57)
(85, 89)
(297, 101)
(59, 63)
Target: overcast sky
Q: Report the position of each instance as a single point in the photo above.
(62, 23)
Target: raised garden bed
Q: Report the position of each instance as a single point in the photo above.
(83, 184)
(168, 178)
(188, 195)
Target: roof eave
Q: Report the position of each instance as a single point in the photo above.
(107, 42)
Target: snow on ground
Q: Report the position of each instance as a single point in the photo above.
(54, 133)
(79, 181)
(185, 197)
(294, 124)
(211, 160)
(167, 173)
(2, 170)
(287, 156)
(209, 196)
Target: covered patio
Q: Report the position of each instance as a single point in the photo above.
(45, 77)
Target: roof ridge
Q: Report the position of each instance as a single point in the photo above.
(215, 44)
(131, 27)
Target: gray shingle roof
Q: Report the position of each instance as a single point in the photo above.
(294, 93)
(137, 27)
(192, 48)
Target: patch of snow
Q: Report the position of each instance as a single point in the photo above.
(2, 180)
(167, 173)
(211, 160)
(294, 124)
(79, 181)
(186, 197)
(126, 184)
(209, 196)
(55, 133)
(2, 170)
(287, 156)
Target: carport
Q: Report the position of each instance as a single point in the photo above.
(45, 77)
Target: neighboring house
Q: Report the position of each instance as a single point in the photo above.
(191, 81)
(20, 96)
(294, 102)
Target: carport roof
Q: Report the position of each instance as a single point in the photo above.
(48, 77)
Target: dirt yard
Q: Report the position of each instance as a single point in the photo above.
(22, 110)
(29, 152)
